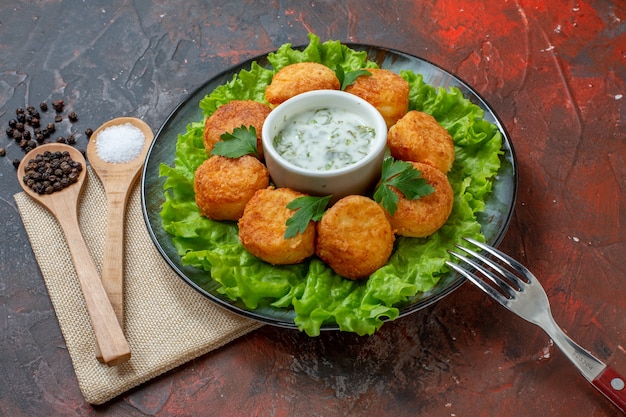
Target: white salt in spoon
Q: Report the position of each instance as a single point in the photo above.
(117, 161)
(63, 205)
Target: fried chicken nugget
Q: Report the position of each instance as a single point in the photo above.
(223, 185)
(418, 137)
(295, 79)
(232, 115)
(424, 216)
(354, 237)
(263, 224)
(385, 90)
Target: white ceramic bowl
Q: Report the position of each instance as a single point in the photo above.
(357, 178)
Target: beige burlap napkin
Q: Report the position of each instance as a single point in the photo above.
(167, 323)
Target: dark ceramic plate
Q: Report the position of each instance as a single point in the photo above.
(494, 220)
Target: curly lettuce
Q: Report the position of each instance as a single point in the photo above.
(311, 289)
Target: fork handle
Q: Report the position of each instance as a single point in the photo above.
(613, 386)
(604, 378)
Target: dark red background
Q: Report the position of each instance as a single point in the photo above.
(555, 73)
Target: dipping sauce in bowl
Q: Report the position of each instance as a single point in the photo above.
(325, 139)
(325, 142)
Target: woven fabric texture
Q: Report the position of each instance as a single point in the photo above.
(167, 323)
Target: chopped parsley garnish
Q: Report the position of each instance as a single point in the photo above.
(307, 208)
(405, 178)
(348, 78)
(242, 141)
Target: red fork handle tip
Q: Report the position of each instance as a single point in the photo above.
(613, 386)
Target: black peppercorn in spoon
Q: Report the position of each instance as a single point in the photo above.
(62, 202)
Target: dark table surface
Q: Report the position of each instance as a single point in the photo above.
(555, 72)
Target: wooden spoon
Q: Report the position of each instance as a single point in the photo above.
(117, 180)
(64, 207)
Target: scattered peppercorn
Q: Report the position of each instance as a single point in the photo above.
(58, 105)
(88, 132)
(28, 129)
(51, 171)
(3, 152)
(30, 145)
(16, 162)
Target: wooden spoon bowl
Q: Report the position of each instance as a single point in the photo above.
(117, 175)
(118, 180)
(68, 197)
(63, 205)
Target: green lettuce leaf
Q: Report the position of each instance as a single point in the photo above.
(245, 85)
(311, 289)
(329, 53)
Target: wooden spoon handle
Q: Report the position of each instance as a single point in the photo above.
(113, 259)
(108, 332)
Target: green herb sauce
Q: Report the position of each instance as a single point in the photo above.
(324, 139)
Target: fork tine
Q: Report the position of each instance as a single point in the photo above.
(498, 296)
(505, 293)
(529, 277)
(513, 279)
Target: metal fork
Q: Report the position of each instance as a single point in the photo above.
(517, 289)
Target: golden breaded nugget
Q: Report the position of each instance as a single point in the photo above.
(354, 237)
(231, 116)
(385, 90)
(424, 216)
(263, 224)
(418, 137)
(295, 79)
(223, 185)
